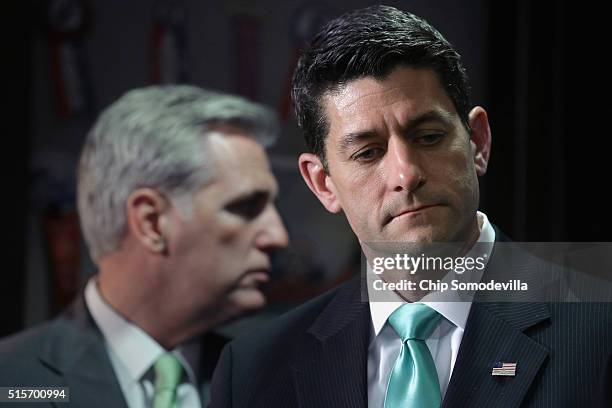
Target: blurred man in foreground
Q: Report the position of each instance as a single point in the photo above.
(382, 99)
(175, 197)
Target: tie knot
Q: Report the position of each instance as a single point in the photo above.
(414, 321)
(168, 372)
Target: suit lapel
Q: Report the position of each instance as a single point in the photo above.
(489, 339)
(92, 380)
(495, 332)
(331, 369)
(77, 354)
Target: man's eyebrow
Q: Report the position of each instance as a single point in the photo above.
(440, 116)
(255, 194)
(248, 197)
(351, 139)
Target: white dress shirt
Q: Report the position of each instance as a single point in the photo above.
(443, 343)
(133, 353)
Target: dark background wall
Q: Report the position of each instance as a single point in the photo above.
(537, 67)
(549, 92)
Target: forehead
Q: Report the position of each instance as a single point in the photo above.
(369, 102)
(241, 164)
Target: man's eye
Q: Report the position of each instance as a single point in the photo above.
(368, 154)
(250, 207)
(430, 139)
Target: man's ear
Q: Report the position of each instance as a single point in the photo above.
(319, 182)
(147, 212)
(481, 139)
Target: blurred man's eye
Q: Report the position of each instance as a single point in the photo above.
(249, 207)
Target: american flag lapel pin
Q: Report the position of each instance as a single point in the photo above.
(504, 369)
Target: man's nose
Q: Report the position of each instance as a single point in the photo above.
(403, 166)
(274, 234)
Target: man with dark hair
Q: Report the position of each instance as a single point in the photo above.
(382, 99)
(371, 44)
(176, 203)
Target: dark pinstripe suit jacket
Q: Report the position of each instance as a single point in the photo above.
(316, 356)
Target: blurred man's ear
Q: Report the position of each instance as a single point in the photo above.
(481, 139)
(319, 181)
(147, 210)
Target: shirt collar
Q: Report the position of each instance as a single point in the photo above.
(133, 346)
(454, 311)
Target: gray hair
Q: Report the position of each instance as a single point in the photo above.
(155, 137)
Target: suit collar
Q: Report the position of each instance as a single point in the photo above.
(131, 345)
(330, 371)
(346, 307)
(76, 352)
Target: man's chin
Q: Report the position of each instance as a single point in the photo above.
(425, 234)
(248, 300)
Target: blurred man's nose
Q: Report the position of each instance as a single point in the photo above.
(403, 166)
(274, 234)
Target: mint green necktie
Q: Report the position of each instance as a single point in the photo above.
(413, 381)
(168, 374)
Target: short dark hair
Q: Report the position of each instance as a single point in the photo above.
(370, 42)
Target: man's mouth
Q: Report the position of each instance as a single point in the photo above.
(258, 275)
(410, 211)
